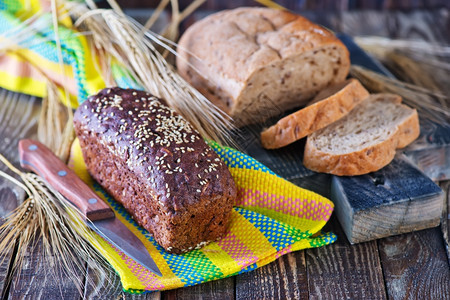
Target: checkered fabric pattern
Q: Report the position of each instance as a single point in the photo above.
(271, 216)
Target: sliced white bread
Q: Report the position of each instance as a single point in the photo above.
(329, 105)
(364, 140)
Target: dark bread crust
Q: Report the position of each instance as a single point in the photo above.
(157, 166)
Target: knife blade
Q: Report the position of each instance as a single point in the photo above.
(98, 215)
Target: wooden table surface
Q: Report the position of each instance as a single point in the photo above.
(409, 266)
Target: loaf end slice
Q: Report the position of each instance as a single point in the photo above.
(329, 105)
(154, 163)
(365, 140)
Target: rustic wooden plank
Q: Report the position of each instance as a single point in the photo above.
(9, 199)
(13, 127)
(18, 119)
(431, 26)
(318, 182)
(393, 200)
(445, 221)
(330, 19)
(431, 151)
(312, 256)
(4, 270)
(286, 162)
(146, 296)
(285, 278)
(396, 208)
(415, 265)
(320, 6)
(110, 287)
(219, 289)
(36, 281)
(8, 196)
(344, 271)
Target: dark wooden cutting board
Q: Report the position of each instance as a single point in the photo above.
(396, 199)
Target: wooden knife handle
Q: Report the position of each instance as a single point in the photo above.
(38, 158)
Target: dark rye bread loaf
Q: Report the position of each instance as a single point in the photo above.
(148, 158)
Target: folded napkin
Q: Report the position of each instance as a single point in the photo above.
(271, 216)
(26, 26)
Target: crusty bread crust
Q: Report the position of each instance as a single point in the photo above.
(331, 105)
(367, 159)
(157, 166)
(257, 62)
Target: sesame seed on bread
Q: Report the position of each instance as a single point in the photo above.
(152, 161)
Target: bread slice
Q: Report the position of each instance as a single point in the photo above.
(330, 105)
(255, 63)
(365, 140)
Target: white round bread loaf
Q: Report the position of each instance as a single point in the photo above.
(255, 63)
(365, 140)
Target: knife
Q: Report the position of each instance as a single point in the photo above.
(98, 215)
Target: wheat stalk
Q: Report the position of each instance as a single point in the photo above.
(170, 32)
(67, 135)
(121, 38)
(45, 219)
(155, 15)
(381, 44)
(423, 67)
(55, 127)
(418, 62)
(427, 102)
